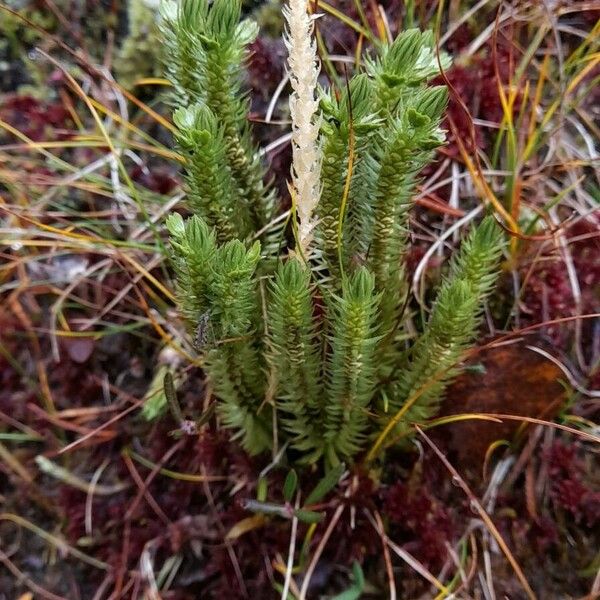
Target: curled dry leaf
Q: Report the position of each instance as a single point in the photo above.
(245, 525)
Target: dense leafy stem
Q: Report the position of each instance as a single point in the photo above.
(207, 49)
(295, 355)
(351, 366)
(452, 326)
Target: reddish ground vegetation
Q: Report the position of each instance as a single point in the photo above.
(38, 120)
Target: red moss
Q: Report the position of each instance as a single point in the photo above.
(38, 120)
(548, 293)
(544, 534)
(360, 539)
(475, 85)
(161, 180)
(422, 519)
(460, 39)
(266, 66)
(569, 489)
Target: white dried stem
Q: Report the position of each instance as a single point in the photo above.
(303, 68)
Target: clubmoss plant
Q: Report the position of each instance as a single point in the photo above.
(306, 342)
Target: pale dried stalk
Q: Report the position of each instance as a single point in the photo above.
(303, 72)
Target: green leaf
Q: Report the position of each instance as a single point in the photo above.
(171, 395)
(289, 486)
(206, 415)
(309, 516)
(266, 508)
(246, 32)
(434, 101)
(155, 400)
(281, 510)
(417, 119)
(325, 485)
(356, 589)
(176, 225)
(261, 489)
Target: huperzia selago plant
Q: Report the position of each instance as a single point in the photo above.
(303, 331)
